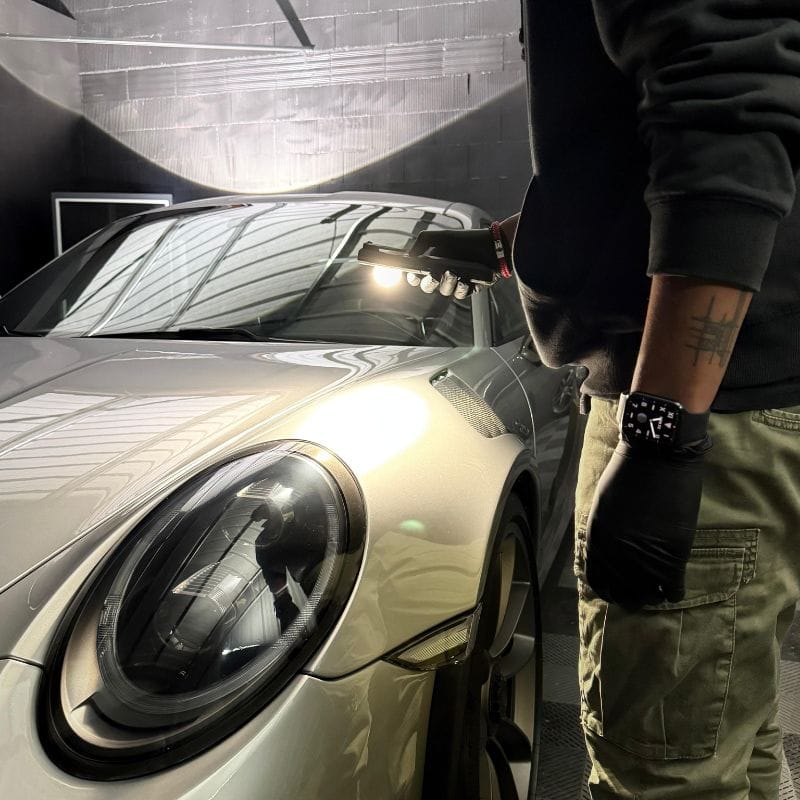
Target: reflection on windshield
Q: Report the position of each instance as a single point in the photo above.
(89, 308)
(273, 270)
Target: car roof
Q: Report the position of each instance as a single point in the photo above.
(473, 216)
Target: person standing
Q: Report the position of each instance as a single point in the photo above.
(659, 246)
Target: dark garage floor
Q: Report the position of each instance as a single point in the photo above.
(563, 768)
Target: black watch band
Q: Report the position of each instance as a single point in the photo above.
(658, 422)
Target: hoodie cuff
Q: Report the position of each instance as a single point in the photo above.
(715, 240)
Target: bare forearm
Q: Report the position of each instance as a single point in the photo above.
(689, 335)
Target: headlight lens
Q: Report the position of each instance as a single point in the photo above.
(205, 612)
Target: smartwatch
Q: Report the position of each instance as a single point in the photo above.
(646, 420)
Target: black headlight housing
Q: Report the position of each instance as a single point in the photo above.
(204, 613)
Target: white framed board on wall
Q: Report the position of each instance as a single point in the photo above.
(77, 215)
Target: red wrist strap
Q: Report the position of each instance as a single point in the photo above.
(499, 250)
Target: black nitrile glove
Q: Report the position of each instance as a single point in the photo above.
(642, 524)
(476, 246)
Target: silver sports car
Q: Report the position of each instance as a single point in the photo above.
(273, 523)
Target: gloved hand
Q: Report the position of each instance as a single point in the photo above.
(476, 246)
(642, 524)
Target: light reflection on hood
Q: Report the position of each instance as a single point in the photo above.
(86, 435)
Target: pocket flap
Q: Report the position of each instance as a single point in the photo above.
(721, 561)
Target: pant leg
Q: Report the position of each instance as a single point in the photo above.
(764, 767)
(768, 747)
(678, 700)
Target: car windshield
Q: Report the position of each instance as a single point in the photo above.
(274, 270)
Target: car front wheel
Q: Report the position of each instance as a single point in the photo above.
(483, 739)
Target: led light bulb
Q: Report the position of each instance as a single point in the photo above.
(386, 276)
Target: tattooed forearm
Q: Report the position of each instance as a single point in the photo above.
(712, 336)
(689, 334)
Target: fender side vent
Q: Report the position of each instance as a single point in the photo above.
(475, 410)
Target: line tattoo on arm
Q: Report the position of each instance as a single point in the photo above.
(714, 338)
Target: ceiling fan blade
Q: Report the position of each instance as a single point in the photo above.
(292, 18)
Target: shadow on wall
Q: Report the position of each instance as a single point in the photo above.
(46, 148)
(482, 158)
(38, 140)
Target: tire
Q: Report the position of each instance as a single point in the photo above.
(567, 394)
(485, 713)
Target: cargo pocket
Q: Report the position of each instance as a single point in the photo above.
(655, 682)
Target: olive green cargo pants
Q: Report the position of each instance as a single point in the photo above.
(679, 700)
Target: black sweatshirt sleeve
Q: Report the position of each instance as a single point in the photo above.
(719, 89)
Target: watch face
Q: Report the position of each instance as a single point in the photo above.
(650, 419)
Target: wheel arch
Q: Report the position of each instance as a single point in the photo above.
(522, 481)
(443, 767)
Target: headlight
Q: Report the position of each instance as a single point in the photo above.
(204, 613)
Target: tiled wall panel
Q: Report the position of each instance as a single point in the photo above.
(393, 95)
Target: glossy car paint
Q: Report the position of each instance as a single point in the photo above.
(95, 432)
(318, 739)
(135, 423)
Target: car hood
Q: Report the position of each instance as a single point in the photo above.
(92, 430)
